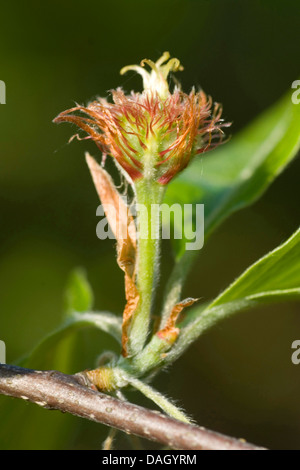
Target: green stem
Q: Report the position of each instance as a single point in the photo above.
(149, 195)
(161, 401)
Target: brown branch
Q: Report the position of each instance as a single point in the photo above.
(67, 393)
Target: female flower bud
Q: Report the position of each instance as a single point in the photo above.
(153, 134)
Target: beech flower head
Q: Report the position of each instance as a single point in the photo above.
(153, 134)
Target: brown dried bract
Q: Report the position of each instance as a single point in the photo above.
(123, 227)
(170, 333)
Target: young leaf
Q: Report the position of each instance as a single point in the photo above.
(274, 278)
(79, 295)
(234, 176)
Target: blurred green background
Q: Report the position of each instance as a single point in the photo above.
(237, 379)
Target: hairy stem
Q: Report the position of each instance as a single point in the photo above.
(108, 443)
(149, 196)
(157, 398)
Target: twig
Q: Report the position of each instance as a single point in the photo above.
(54, 390)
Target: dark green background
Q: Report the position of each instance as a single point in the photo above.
(239, 378)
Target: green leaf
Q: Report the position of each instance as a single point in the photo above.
(276, 275)
(234, 176)
(274, 278)
(79, 295)
(104, 321)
